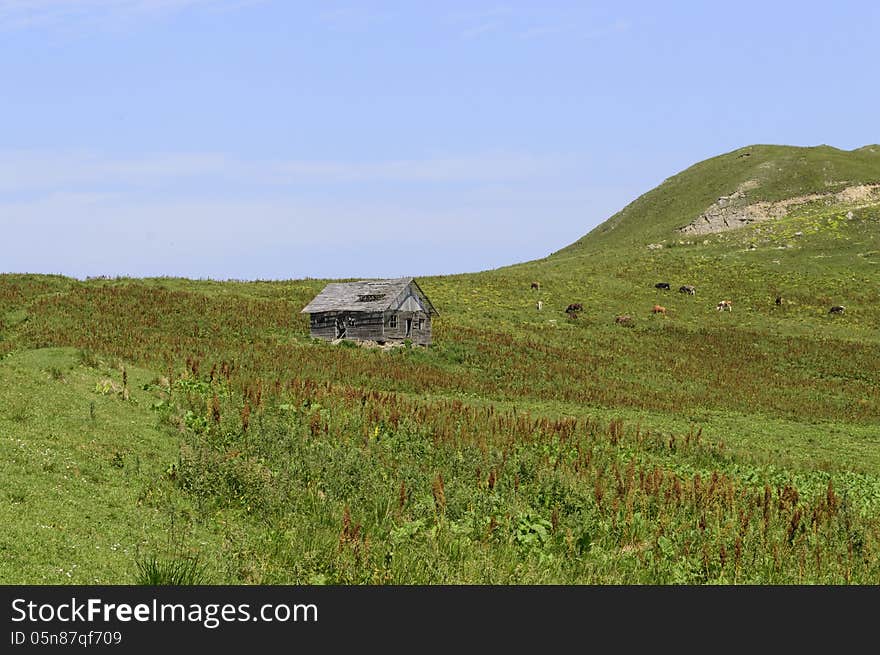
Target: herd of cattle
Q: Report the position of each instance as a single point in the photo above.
(624, 319)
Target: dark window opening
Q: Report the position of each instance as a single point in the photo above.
(392, 322)
(370, 297)
(351, 321)
(421, 325)
(340, 329)
(408, 326)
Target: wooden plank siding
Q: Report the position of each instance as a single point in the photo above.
(373, 326)
(420, 336)
(366, 325)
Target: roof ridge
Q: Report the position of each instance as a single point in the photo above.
(359, 295)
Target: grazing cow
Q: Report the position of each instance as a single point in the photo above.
(574, 307)
(837, 309)
(658, 309)
(688, 289)
(724, 304)
(536, 285)
(624, 319)
(540, 305)
(778, 300)
(662, 285)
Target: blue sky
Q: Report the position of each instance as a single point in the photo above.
(253, 139)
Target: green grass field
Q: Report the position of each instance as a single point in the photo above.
(171, 424)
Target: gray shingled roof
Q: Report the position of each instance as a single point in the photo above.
(362, 296)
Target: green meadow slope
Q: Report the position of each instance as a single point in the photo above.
(159, 427)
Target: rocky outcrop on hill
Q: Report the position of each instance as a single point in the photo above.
(733, 211)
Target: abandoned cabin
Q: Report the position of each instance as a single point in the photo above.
(375, 310)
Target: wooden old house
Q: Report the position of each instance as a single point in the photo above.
(377, 310)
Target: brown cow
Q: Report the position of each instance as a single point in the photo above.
(658, 309)
(536, 285)
(574, 307)
(724, 304)
(625, 320)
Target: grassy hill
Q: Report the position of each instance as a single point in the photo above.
(168, 425)
(777, 172)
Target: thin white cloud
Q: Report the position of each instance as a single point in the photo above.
(539, 32)
(480, 15)
(529, 24)
(80, 14)
(542, 32)
(26, 171)
(481, 22)
(481, 29)
(70, 218)
(219, 216)
(351, 19)
(473, 168)
(617, 27)
(36, 171)
(88, 234)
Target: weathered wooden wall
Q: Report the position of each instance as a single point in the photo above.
(367, 325)
(371, 325)
(422, 337)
